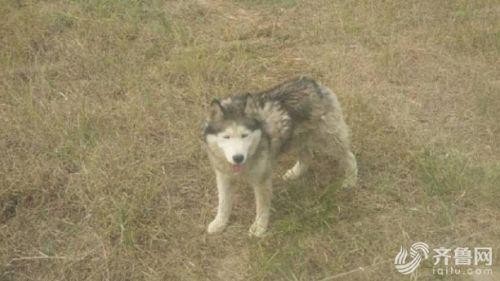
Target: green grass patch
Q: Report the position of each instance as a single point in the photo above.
(445, 174)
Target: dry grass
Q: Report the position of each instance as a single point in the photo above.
(101, 169)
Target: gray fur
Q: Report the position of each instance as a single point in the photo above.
(299, 113)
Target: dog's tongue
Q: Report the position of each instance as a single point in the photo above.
(237, 168)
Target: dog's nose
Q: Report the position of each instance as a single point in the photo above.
(238, 158)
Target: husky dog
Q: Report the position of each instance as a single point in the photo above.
(245, 133)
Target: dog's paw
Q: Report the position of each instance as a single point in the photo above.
(348, 185)
(216, 226)
(257, 229)
(295, 172)
(350, 182)
(290, 175)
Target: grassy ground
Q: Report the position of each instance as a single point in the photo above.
(102, 174)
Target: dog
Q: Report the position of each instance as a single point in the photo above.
(245, 133)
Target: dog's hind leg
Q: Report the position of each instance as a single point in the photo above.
(349, 166)
(339, 149)
(334, 135)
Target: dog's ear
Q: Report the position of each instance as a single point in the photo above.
(216, 110)
(250, 105)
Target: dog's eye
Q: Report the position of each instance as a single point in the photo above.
(226, 137)
(244, 136)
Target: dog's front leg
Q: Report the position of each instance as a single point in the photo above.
(225, 203)
(263, 194)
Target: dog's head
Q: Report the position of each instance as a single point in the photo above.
(232, 130)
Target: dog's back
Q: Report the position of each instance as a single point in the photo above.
(294, 111)
(297, 97)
